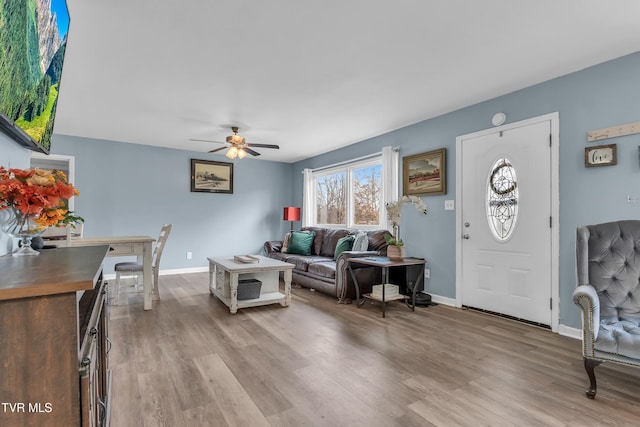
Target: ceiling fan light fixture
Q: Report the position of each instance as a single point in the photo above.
(233, 153)
(241, 153)
(235, 139)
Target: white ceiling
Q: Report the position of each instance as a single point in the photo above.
(313, 76)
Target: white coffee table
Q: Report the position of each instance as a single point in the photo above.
(224, 274)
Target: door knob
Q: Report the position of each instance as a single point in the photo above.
(465, 236)
(466, 224)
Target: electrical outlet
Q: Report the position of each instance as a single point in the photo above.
(427, 273)
(189, 255)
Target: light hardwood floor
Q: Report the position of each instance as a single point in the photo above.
(189, 362)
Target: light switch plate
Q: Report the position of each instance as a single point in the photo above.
(449, 205)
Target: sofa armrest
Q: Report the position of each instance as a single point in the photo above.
(343, 278)
(586, 297)
(273, 246)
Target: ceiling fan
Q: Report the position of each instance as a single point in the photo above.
(237, 145)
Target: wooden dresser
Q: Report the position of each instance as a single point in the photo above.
(53, 339)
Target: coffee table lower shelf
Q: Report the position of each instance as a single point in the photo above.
(265, 299)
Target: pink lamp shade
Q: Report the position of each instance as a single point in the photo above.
(291, 214)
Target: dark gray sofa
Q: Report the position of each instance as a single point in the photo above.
(320, 272)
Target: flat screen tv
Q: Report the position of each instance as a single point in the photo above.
(33, 38)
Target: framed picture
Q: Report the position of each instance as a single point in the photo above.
(425, 173)
(211, 177)
(601, 155)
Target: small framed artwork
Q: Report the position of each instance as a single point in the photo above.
(211, 177)
(425, 173)
(601, 155)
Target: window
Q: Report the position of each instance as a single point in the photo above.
(350, 196)
(502, 199)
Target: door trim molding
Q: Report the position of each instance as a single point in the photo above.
(554, 119)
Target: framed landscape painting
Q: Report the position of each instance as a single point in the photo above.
(211, 177)
(425, 173)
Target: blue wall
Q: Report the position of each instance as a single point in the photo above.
(132, 189)
(598, 97)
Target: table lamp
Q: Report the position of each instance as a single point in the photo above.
(291, 214)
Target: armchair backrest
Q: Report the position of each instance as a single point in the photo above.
(608, 258)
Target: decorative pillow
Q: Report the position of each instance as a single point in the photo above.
(344, 244)
(300, 243)
(285, 243)
(361, 242)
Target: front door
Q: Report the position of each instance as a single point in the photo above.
(506, 222)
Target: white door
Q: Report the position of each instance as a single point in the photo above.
(506, 222)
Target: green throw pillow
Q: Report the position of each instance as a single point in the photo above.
(300, 243)
(344, 244)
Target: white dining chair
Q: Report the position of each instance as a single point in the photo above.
(136, 269)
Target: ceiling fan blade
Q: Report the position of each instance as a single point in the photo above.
(264, 146)
(207, 140)
(249, 150)
(217, 149)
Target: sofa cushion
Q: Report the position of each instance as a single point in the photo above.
(279, 256)
(323, 268)
(360, 242)
(302, 262)
(376, 240)
(300, 242)
(330, 241)
(344, 244)
(619, 337)
(285, 243)
(317, 241)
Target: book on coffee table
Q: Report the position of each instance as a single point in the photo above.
(246, 259)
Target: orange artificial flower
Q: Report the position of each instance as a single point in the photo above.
(38, 192)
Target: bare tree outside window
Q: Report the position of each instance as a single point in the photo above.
(350, 196)
(331, 202)
(367, 188)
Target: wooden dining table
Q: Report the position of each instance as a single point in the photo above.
(139, 246)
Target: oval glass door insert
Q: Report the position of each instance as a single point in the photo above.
(502, 199)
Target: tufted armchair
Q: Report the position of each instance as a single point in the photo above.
(608, 292)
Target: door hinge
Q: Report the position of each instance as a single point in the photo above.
(550, 303)
(550, 139)
(550, 222)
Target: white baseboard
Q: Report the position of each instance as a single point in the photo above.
(568, 331)
(443, 300)
(563, 330)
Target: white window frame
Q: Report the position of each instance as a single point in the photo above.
(349, 211)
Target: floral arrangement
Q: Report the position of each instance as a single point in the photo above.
(38, 193)
(394, 209)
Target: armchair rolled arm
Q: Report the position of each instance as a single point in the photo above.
(343, 279)
(586, 297)
(272, 246)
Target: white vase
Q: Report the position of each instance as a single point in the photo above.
(23, 227)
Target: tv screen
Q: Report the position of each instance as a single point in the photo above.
(33, 37)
